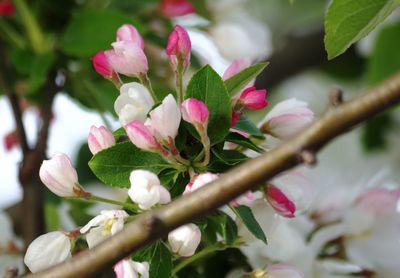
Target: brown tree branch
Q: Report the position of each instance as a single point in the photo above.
(157, 223)
(14, 101)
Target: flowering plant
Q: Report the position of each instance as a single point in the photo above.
(168, 146)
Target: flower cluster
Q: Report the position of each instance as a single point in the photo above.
(172, 145)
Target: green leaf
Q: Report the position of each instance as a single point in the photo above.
(385, 58)
(348, 21)
(52, 218)
(246, 215)
(78, 211)
(244, 124)
(159, 258)
(114, 165)
(224, 225)
(237, 82)
(90, 31)
(374, 135)
(206, 85)
(240, 140)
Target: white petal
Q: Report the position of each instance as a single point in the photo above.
(95, 236)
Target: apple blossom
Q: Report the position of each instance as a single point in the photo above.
(7, 8)
(195, 111)
(142, 137)
(108, 223)
(235, 67)
(146, 189)
(289, 194)
(179, 47)
(200, 181)
(130, 269)
(174, 8)
(100, 138)
(128, 58)
(133, 103)
(254, 99)
(287, 118)
(165, 119)
(185, 239)
(60, 176)
(245, 199)
(102, 64)
(283, 271)
(128, 32)
(47, 250)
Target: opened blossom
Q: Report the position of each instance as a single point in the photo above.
(178, 48)
(128, 32)
(174, 8)
(283, 271)
(47, 250)
(185, 240)
(287, 118)
(100, 138)
(130, 269)
(60, 177)
(289, 194)
(165, 119)
(133, 103)
(146, 189)
(108, 223)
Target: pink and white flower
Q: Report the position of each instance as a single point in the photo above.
(128, 58)
(195, 112)
(108, 223)
(165, 119)
(245, 199)
(142, 137)
(146, 189)
(48, 250)
(60, 176)
(178, 48)
(131, 269)
(133, 103)
(283, 271)
(289, 194)
(128, 32)
(185, 239)
(174, 8)
(100, 138)
(287, 118)
(199, 182)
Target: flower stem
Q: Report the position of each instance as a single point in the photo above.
(114, 202)
(197, 256)
(144, 79)
(179, 82)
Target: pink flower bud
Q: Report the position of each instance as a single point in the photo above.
(128, 58)
(245, 199)
(47, 250)
(60, 177)
(200, 181)
(11, 140)
(100, 138)
(253, 99)
(141, 136)
(166, 130)
(102, 65)
(235, 67)
(185, 239)
(194, 111)
(173, 8)
(283, 271)
(7, 8)
(289, 194)
(280, 202)
(235, 117)
(128, 32)
(128, 268)
(287, 118)
(178, 47)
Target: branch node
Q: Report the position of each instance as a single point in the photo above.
(154, 225)
(11, 272)
(335, 97)
(308, 157)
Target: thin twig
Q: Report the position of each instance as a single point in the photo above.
(230, 185)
